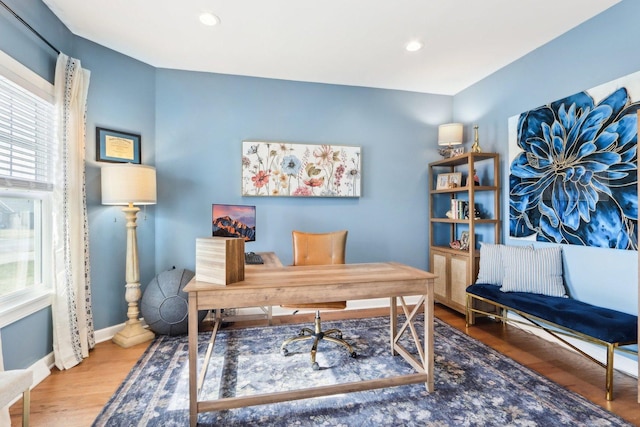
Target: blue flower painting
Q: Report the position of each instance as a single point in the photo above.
(574, 178)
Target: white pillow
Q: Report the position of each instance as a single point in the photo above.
(491, 269)
(537, 271)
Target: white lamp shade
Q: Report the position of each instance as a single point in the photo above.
(450, 134)
(128, 183)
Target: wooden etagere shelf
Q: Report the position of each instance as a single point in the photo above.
(458, 268)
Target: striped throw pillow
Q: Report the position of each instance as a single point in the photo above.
(537, 271)
(491, 270)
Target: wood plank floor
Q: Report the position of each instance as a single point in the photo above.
(75, 397)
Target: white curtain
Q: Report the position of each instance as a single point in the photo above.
(73, 333)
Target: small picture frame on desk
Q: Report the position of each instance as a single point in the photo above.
(117, 147)
(448, 180)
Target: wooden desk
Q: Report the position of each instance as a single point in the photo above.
(270, 259)
(308, 284)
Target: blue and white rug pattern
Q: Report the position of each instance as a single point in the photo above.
(474, 385)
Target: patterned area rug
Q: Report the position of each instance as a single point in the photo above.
(474, 385)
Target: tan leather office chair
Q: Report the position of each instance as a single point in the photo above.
(319, 249)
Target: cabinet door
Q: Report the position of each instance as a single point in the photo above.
(459, 279)
(439, 268)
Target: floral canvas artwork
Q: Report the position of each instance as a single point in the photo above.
(300, 170)
(573, 168)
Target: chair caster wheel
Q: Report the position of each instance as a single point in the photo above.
(353, 354)
(284, 351)
(315, 366)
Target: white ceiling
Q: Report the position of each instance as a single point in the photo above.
(349, 42)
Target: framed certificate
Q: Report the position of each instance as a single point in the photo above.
(117, 147)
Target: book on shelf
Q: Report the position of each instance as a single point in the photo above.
(459, 209)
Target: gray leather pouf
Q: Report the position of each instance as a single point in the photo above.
(164, 304)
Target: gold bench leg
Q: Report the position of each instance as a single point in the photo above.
(26, 403)
(609, 380)
(468, 316)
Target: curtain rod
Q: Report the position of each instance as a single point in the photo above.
(23, 22)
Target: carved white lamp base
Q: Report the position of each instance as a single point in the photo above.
(133, 332)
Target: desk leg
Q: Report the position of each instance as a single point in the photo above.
(193, 359)
(393, 322)
(428, 336)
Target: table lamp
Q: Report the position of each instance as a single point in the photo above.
(449, 134)
(129, 185)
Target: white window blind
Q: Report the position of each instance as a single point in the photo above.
(26, 138)
(27, 151)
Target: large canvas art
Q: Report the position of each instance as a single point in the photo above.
(573, 168)
(303, 170)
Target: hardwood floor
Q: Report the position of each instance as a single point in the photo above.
(75, 397)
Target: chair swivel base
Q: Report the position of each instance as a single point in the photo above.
(331, 335)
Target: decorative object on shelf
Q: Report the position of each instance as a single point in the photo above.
(476, 178)
(302, 170)
(449, 134)
(475, 148)
(464, 240)
(117, 147)
(448, 180)
(476, 213)
(455, 152)
(461, 244)
(129, 185)
(592, 199)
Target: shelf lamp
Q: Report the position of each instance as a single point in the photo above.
(449, 134)
(130, 185)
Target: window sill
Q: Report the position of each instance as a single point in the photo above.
(22, 305)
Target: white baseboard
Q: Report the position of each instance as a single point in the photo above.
(351, 305)
(106, 334)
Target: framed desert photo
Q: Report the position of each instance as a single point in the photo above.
(117, 147)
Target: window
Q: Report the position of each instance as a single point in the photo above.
(26, 180)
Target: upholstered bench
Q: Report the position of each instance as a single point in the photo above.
(12, 384)
(528, 282)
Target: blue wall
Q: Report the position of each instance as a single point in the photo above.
(600, 50)
(121, 97)
(192, 126)
(203, 118)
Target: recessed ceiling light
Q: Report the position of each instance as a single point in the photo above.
(208, 18)
(413, 46)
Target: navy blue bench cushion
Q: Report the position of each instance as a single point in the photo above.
(605, 324)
